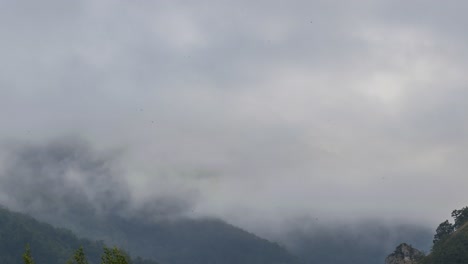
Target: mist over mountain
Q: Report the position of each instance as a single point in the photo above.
(226, 103)
(260, 115)
(68, 183)
(66, 177)
(367, 241)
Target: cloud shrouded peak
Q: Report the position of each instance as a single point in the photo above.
(252, 110)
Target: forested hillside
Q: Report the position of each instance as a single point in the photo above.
(48, 245)
(173, 242)
(187, 241)
(450, 241)
(36, 180)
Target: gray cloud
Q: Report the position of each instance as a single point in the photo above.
(260, 110)
(65, 181)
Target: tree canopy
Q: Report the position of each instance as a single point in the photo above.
(79, 257)
(109, 256)
(460, 217)
(27, 258)
(445, 229)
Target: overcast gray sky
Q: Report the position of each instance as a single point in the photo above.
(257, 110)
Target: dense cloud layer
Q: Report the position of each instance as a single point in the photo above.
(65, 182)
(265, 111)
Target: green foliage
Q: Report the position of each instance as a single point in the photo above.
(50, 245)
(452, 250)
(443, 231)
(27, 258)
(110, 256)
(79, 257)
(174, 242)
(114, 256)
(460, 217)
(451, 241)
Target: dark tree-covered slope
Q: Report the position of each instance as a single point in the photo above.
(48, 244)
(450, 241)
(450, 244)
(67, 184)
(172, 242)
(187, 241)
(201, 241)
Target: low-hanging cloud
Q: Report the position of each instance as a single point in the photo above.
(256, 111)
(66, 180)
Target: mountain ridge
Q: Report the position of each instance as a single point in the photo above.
(182, 241)
(48, 244)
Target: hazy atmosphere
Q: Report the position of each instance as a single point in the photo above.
(274, 116)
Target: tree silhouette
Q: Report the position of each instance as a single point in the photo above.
(444, 230)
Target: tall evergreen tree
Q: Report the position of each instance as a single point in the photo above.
(79, 257)
(27, 258)
(114, 256)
